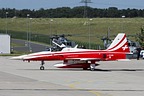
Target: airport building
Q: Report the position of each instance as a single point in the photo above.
(4, 44)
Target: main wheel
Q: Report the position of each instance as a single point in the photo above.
(92, 69)
(42, 68)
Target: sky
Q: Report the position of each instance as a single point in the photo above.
(47, 4)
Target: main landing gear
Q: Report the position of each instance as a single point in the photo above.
(42, 67)
(92, 67)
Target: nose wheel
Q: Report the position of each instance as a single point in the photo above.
(42, 67)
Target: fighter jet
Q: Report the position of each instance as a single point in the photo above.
(82, 58)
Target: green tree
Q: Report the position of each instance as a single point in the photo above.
(140, 37)
(78, 12)
(112, 12)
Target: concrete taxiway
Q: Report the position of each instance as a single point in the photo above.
(18, 78)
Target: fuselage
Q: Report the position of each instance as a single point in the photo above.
(103, 55)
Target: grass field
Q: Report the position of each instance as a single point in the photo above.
(79, 28)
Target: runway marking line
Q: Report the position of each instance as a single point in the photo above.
(73, 85)
(96, 93)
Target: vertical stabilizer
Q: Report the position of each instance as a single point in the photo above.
(119, 44)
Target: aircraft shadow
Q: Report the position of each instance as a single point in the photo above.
(101, 70)
(119, 69)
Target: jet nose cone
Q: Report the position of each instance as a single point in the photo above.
(18, 57)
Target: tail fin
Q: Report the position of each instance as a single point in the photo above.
(119, 44)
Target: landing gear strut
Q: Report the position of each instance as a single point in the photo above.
(92, 67)
(42, 67)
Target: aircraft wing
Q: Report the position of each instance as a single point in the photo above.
(84, 63)
(84, 59)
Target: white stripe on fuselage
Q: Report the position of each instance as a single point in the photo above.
(75, 52)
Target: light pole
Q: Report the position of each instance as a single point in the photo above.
(51, 20)
(27, 28)
(6, 23)
(123, 23)
(28, 32)
(30, 26)
(90, 33)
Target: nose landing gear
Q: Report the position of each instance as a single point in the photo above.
(42, 67)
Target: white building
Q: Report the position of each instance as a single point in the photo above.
(4, 44)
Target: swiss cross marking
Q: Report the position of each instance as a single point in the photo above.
(125, 47)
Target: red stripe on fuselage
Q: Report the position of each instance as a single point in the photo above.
(80, 54)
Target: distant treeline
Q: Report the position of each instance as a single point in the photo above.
(76, 12)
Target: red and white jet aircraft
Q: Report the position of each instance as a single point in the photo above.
(82, 58)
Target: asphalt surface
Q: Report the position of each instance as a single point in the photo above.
(18, 78)
(24, 46)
